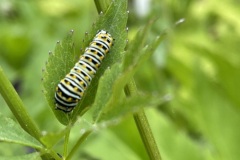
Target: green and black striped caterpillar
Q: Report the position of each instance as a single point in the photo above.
(71, 89)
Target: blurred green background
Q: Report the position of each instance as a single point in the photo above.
(196, 69)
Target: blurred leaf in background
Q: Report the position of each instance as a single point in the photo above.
(199, 67)
(29, 30)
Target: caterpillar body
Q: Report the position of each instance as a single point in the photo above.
(71, 89)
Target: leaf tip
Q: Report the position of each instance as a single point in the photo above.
(180, 21)
(71, 31)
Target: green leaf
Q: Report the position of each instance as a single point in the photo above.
(32, 156)
(59, 64)
(114, 21)
(110, 96)
(102, 6)
(131, 105)
(105, 92)
(12, 133)
(215, 118)
(135, 47)
(63, 59)
(225, 69)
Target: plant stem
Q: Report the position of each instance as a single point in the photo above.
(77, 145)
(66, 140)
(16, 106)
(143, 126)
(146, 135)
(52, 155)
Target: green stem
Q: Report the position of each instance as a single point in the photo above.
(66, 140)
(78, 143)
(143, 126)
(16, 106)
(52, 155)
(55, 156)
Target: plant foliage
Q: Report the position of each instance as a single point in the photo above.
(188, 82)
(114, 21)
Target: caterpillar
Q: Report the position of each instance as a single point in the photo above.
(71, 89)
